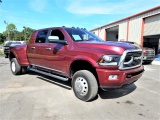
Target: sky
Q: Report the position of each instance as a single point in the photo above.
(87, 14)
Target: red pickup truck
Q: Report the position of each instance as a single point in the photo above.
(80, 56)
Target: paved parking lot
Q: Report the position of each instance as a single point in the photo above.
(36, 97)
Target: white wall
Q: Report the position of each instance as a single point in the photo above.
(95, 32)
(102, 34)
(122, 33)
(152, 25)
(135, 30)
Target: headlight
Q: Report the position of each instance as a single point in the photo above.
(109, 60)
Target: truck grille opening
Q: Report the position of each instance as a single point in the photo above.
(136, 59)
(150, 54)
(131, 59)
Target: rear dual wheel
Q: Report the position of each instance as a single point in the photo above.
(16, 68)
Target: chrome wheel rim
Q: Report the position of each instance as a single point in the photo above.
(81, 86)
(13, 66)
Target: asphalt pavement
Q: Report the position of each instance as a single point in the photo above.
(36, 97)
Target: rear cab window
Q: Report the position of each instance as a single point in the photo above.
(55, 35)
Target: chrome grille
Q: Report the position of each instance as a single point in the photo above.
(130, 59)
(150, 54)
(132, 56)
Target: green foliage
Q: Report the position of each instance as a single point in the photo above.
(18, 36)
(12, 33)
(27, 32)
(11, 27)
(2, 38)
(1, 52)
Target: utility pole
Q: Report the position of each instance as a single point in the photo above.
(6, 28)
(24, 33)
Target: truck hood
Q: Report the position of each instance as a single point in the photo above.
(118, 47)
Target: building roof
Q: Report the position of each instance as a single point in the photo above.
(155, 8)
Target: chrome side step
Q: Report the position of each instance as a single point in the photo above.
(49, 74)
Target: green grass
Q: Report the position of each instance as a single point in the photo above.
(1, 52)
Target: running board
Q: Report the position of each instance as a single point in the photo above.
(49, 74)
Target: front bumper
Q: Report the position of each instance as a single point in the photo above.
(124, 77)
(150, 58)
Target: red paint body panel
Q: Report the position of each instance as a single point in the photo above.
(103, 75)
(20, 53)
(60, 57)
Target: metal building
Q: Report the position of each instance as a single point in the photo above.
(142, 28)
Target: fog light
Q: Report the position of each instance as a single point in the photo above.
(113, 77)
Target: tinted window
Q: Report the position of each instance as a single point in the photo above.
(41, 37)
(58, 34)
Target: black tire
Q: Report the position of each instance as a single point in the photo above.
(15, 67)
(84, 85)
(6, 55)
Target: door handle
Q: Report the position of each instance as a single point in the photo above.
(48, 48)
(32, 47)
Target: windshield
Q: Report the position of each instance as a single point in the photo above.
(82, 35)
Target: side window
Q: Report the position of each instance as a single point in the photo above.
(41, 36)
(57, 34)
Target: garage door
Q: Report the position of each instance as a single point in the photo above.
(152, 25)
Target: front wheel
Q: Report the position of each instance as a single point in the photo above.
(85, 85)
(15, 67)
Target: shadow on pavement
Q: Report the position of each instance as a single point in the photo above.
(116, 93)
(110, 94)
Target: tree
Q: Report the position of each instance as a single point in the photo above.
(18, 36)
(12, 33)
(27, 32)
(2, 38)
(11, 28)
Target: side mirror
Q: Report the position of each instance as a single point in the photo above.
(55, 39)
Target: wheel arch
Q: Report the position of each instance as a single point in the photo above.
(11, 55)
(82, 64)
(20, 54)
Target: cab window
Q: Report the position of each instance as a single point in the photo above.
(57, 34)
(41, 36)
